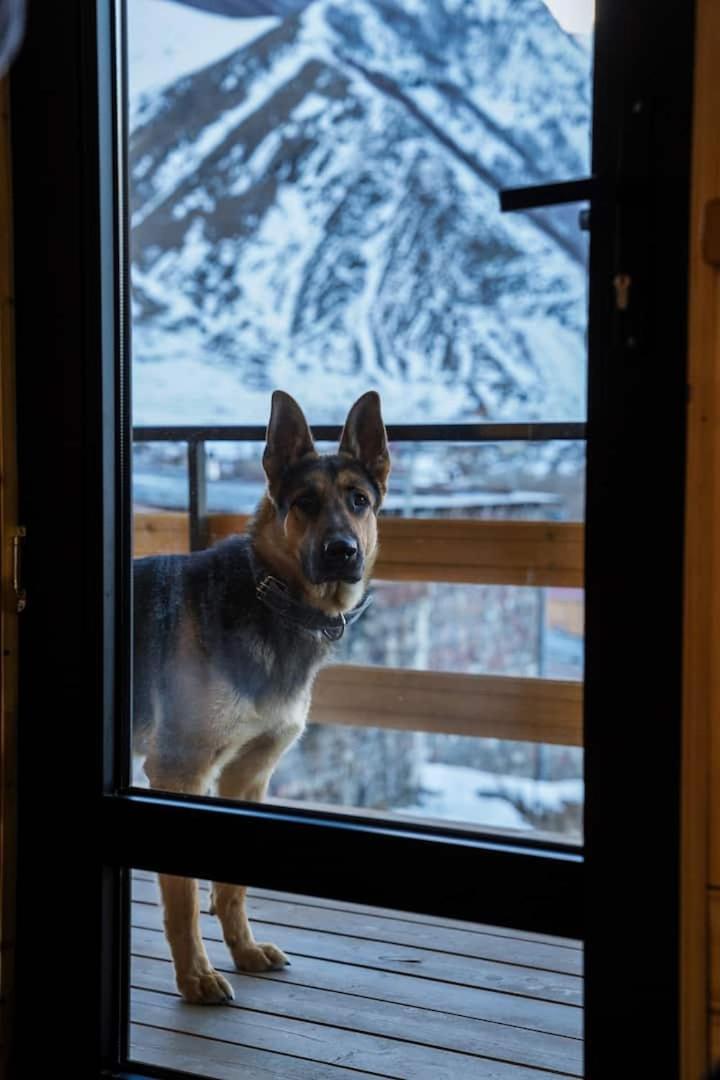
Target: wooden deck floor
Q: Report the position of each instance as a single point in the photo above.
(370, 992)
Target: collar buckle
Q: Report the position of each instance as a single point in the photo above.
(270, 585)
(334, 633)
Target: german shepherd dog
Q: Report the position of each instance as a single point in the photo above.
(228, 641)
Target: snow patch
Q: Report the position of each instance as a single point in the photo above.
(167, 41)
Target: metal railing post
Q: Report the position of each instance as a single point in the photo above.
(197, 494)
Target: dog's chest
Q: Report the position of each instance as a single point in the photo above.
(237, 718)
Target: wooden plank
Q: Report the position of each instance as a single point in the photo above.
(367, 925)
(424, 963)
(403, 989)
(425, 549)
(474, 1003)
(491, 552)
(432, 1027)
(300, 899)
(700, 780)
(416, 919)
(488, 706)
(323, 1043)
(160, 533)
(504, 950)
(226, 1060)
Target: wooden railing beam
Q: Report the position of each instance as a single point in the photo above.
(484, 706)
(468, 551)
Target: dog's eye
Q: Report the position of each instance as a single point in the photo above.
(358, 500)
(306, 503)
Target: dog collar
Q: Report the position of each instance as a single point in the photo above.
(274, 594)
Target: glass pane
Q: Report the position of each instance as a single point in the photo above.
(369, 991)
(315, 206)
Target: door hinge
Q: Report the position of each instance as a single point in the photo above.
(20, 593)
(621, 284)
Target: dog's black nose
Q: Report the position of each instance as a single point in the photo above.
(340, 550)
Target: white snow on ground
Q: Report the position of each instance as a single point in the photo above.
(537, 795)
(457, 793)
(452, 793)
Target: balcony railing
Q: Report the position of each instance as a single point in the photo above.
(470, 551)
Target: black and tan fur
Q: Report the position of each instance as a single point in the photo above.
(223, 683)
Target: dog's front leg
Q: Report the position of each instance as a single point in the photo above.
(196, 979)
(248, 954)
(247, 777)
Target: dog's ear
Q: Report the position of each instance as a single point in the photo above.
(288, 438)
(364, 438)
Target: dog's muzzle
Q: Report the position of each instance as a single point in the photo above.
(340, 558)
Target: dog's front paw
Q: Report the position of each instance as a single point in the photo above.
(260, 956)
(205, 988)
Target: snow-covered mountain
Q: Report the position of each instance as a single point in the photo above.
(318, 210)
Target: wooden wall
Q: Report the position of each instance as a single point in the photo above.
(700, 918)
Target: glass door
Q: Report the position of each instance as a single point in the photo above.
(329, 200)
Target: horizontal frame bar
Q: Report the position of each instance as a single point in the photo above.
(536, 886)
(538, 196)
(530, 432)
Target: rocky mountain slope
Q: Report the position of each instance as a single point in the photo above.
(318, 210)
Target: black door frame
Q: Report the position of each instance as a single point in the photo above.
(79, 830)
(634, 536)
